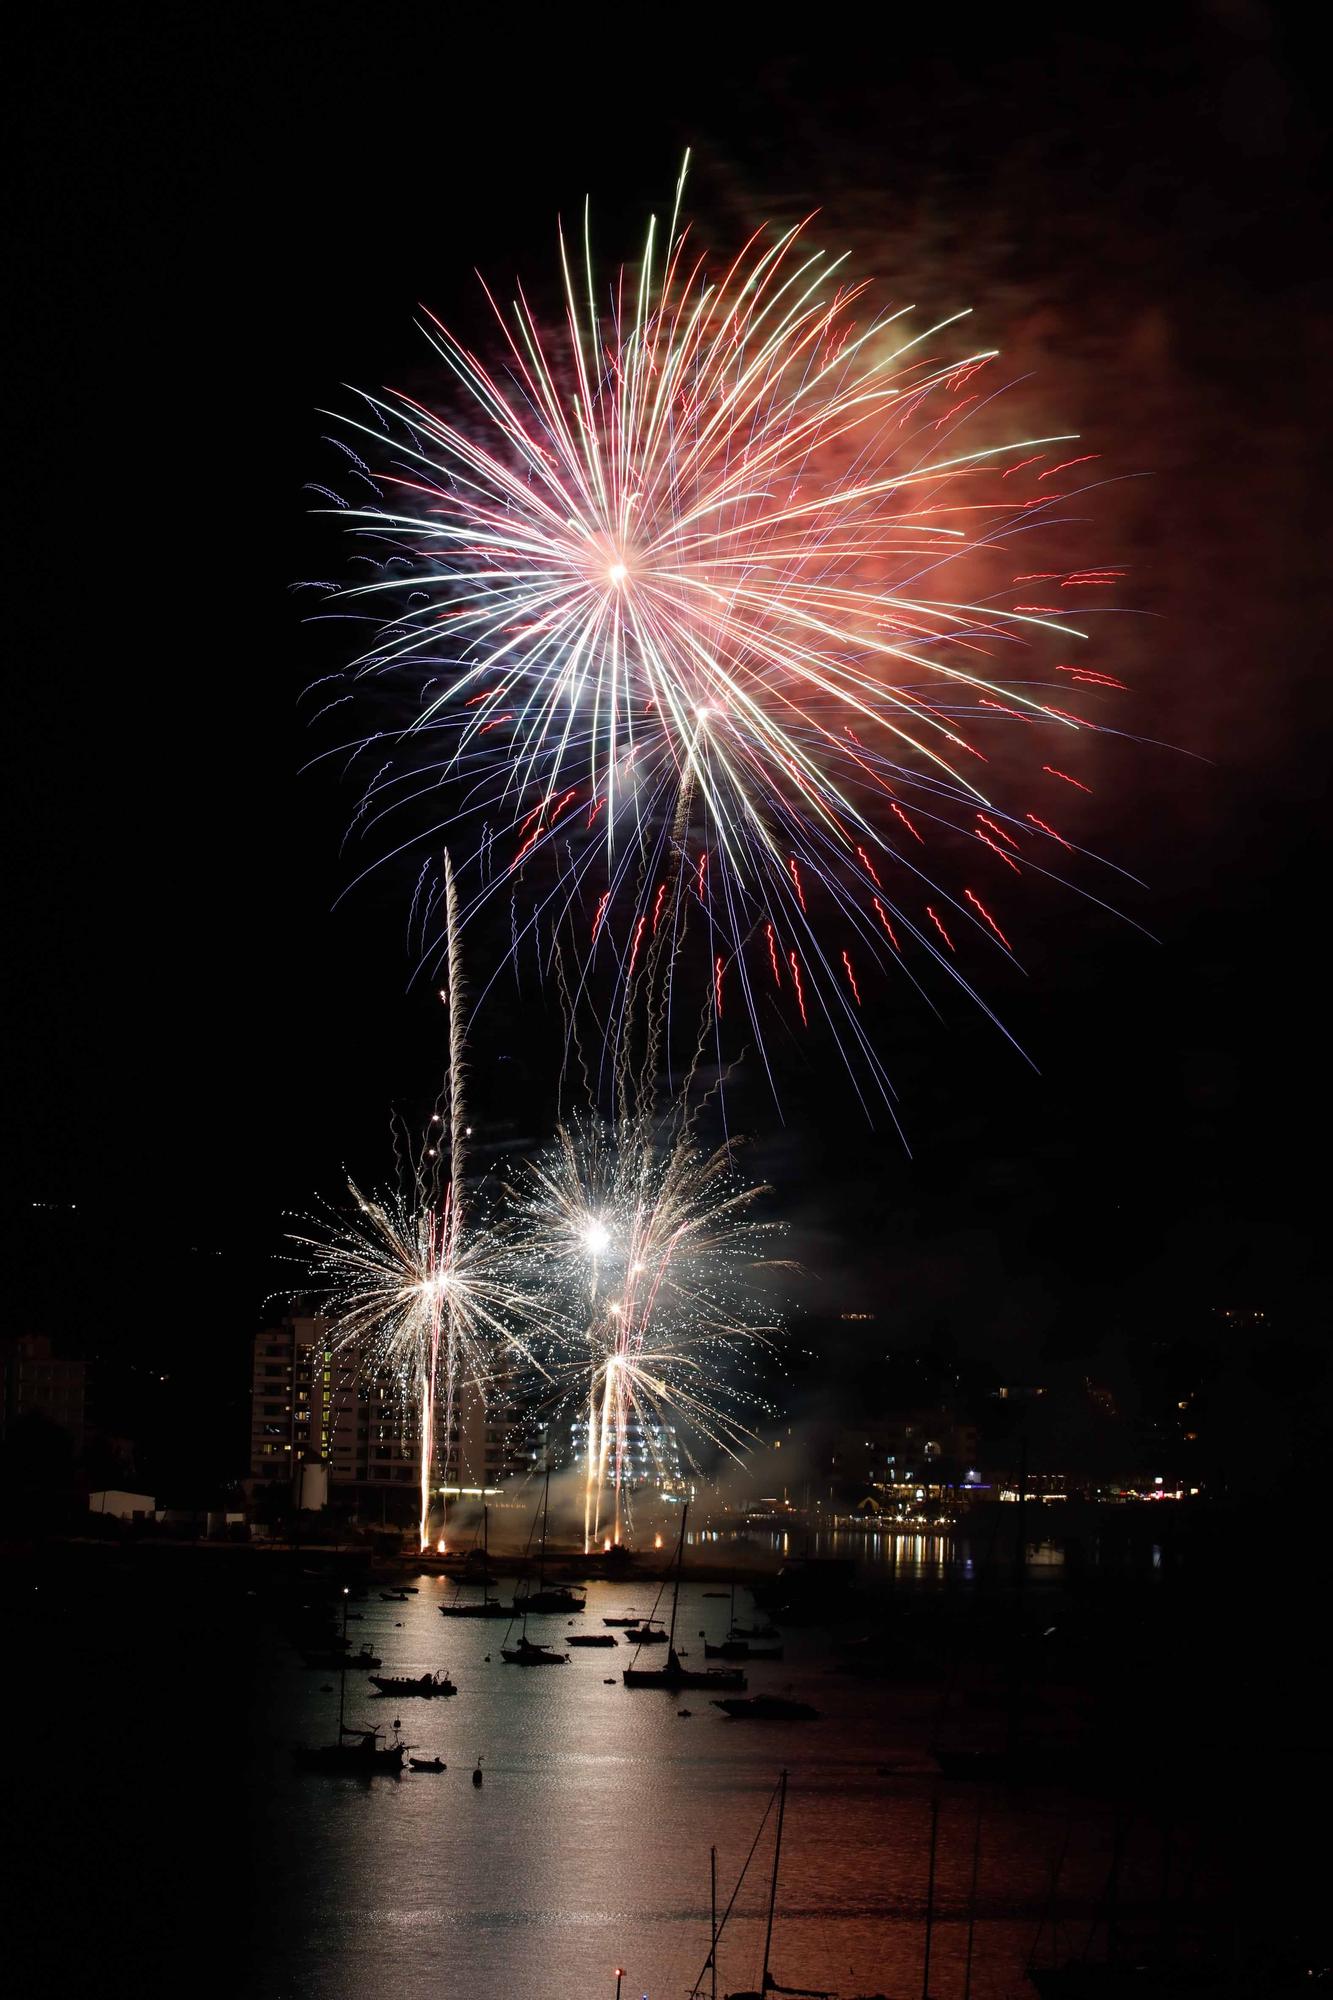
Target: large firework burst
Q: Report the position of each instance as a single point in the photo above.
(701, 608)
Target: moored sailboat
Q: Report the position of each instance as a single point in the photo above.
(674, 1675)
(554, 1597)
(357, 1751)
(489, 1607)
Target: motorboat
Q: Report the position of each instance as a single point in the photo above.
(425, 1686)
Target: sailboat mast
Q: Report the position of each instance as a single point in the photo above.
(342, 1672)
(930, 1892)
(712, 1876)
(972, 1908)
(675, 1587)
(546, 1502)
(773, 1887)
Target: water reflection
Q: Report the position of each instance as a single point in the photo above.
(588, 1845)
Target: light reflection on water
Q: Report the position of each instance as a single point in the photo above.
(587, 1846)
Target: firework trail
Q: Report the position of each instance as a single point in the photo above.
(703, 611)
(652, 1245)
(419, 1289)
(447, 1319)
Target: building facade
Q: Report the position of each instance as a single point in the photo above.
(37, 1380)
(312, 1407)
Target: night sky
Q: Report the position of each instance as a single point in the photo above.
(218, 220)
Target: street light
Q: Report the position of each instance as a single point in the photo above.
(620, 1974)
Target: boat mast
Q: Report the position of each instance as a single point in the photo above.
(1016, 1666)
(712, 1876)
(773, 1886)
(546, 1502)
(930, 1892)
(342, 1671)
(675, 1588)
(972, 1908)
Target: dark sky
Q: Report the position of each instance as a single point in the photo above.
(220, 216)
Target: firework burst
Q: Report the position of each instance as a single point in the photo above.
(422, 1289)
(653, 1247)
(707, 616)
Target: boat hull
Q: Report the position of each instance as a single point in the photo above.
(772, 1708)
(675, 1678)
(422, 1690)
(344, 1762)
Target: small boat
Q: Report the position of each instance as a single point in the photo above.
(674, 1675)
(633, 1619)
(765, 1634)
(647, 1635)
(591, 1639)
(768, 1708)
(528, 1654)
(428, 1763)
(425, 1685)
(393, 1597)
(741, 1649)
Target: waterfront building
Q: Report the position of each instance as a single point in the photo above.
(38, 1379)
(322, 1428)
(651, 1456)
